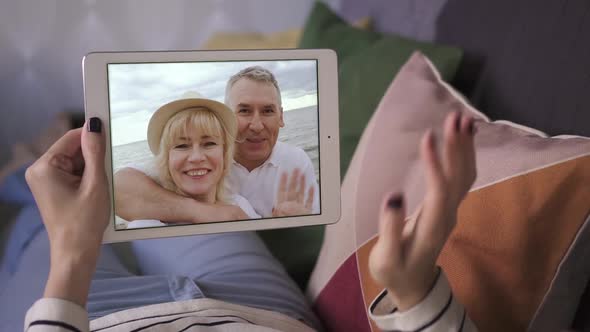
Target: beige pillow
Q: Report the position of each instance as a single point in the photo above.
(252, 40)
(517, 258)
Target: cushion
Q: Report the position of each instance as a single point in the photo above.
(285, 244)
(253, 40)
(367, 63)
(517, 257)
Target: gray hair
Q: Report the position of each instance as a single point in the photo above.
(254, 73)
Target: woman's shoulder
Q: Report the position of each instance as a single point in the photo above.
(244, 204)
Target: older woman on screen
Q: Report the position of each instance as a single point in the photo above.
(193, 140)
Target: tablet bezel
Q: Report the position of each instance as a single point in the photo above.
(96, 102)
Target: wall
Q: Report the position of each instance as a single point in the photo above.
(42, 43)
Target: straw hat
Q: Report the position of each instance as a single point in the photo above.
(188, 100)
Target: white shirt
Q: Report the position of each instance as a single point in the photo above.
(260, 186)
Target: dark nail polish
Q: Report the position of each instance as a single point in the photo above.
(458, 123)
(395, 202)
(471, 128)
(94, 125)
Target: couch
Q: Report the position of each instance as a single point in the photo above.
(525, 61)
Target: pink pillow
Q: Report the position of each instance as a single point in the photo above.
(514, 259)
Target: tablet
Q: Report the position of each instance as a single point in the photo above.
(194, 134)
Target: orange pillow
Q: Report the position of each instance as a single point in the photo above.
(516, 259)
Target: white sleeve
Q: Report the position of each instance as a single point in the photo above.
(51, 314)
(243, 203)
(439, 311)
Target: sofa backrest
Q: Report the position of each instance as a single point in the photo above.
(525, 61)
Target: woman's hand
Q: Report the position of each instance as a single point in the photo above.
(404, 258)
(291, 198)
(69, 184)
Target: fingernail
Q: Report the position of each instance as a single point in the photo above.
(471, 128)
(94, 125)
(395, 202)
(458, 123)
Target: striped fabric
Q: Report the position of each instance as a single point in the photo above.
(515, 257)
(50, 314)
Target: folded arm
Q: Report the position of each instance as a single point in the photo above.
(137, 196)
(72, 195)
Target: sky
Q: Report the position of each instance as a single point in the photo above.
(136, 91)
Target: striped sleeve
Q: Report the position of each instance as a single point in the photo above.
(439, 311)
(50, 314)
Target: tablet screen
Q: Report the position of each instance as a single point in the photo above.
(242, 133)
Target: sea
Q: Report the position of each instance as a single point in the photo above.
(301, 129)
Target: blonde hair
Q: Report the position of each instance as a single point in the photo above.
(254, 73)
(199, 119)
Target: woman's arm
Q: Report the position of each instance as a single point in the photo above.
(438, 311)
(403, 261)
(72, 195)
(138, 197)
(66, 291)
(70, 275)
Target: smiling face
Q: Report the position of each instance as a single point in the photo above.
(260, 116)
(194, 155)
(195, 164)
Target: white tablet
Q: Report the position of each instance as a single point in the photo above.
(195, 134)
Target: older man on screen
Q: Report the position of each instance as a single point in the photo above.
(276, 178)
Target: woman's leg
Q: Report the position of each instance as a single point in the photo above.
(114, 288)
(22, 157)
(14, 189)
(232, 267)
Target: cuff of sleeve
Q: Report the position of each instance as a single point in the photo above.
(416, 318)
(57, 312)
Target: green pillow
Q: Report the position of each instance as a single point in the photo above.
(367, 61)
(296, 248)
